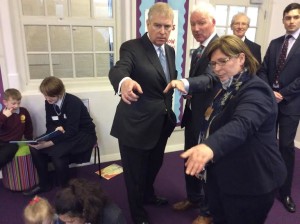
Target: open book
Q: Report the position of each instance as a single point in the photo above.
(110, 171)
(44, 137)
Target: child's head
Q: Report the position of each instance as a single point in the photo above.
(12, 99)
(52, 88)
(38, 211)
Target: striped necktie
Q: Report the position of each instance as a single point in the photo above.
(163, 61)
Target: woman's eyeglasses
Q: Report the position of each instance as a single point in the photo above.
(221, 61)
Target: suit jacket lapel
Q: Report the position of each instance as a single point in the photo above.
(202, 62)
(293, 49)
(278, 48)
(152, 55)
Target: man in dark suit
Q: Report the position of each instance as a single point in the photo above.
(203, 23)
(144, 119)
(282, 72)
(239, 25)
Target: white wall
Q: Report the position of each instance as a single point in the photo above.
(102, 99)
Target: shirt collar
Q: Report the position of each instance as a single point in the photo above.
(295, 35)
(17, 111)
(60, 101)
(207, 41)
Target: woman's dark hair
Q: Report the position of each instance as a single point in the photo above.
(82, 199)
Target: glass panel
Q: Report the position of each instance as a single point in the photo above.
(33, 7)
(84, 65)
(252, 12)
(39, 66)
(36, 38)
(234, 10)
(82, 38)
(57, 8)
(80, 8)
(103, 63)
(60, 38)
(221, 31)
(229, 31)
(251, 32)
(102, 8)
(104, 39)
(221, 14)
(62, 65)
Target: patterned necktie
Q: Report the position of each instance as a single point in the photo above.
(281, 61)
(162, 59)
(199, 53)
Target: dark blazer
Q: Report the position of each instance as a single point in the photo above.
(289, 78)
(247, 160)
(139, 125)
(80, 134)
(254, 48)
(200, 100)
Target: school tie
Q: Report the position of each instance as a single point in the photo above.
(163, 61)
(281, 61)
(57, 109)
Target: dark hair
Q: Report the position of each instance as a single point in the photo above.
(52, 86)
(290, 7)
(82, 199)
(12, 93)
(231, 45)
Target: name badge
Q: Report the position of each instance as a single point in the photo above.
(54, 118)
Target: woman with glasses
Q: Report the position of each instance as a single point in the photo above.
(239, 157)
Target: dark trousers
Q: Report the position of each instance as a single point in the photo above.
(287, 129)
(194, 186)
(140, 170)
(237, 209)
(77, 149)
(61, 164)
(7, 153)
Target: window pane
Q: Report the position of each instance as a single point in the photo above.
(104, 39)
(39, 66)
(82, 38)
(36, 38)
(251, 34)
(62, 65)
(80, 8)
(102, 8)
(57, 8)
(252, 12)
(103, 63)
(234, 10)
(33, 7)
(84, 65)
(60, 38)
(221, 15)
(221, 31)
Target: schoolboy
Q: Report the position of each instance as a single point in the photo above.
(15, 123)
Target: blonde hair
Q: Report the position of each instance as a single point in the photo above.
(38, 211)
(162, 9)
(12, 93)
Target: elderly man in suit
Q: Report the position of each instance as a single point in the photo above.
(239, 25)
(281, 70)
(144, 119)
(203, 23)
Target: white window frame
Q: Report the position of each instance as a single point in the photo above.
(18, 71)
